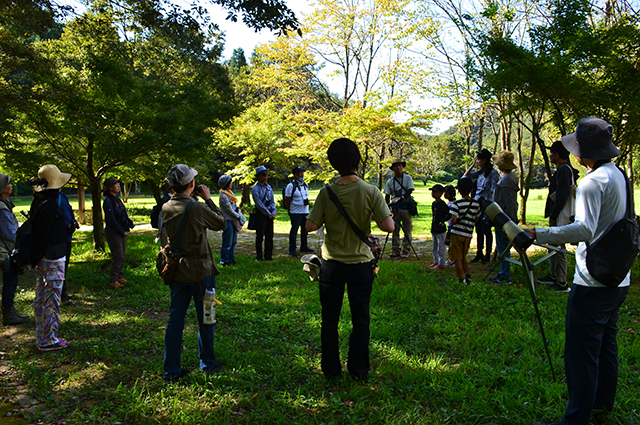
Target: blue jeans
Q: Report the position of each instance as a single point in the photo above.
(181, 294)
(229, 241)
(502, 242)
(591, 350)
(297, 221)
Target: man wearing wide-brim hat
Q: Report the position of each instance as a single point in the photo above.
(397, 192)
(591, 351)
(8, 228)
(506, 196)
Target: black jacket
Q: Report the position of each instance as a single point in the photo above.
(49, 229)
(560, 183)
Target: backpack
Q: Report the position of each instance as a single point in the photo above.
(22, 257)
(610, 258)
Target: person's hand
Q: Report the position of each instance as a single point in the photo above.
(552, 221)
(530, 232)
(126, 234)
(205, 192)
(272, 216)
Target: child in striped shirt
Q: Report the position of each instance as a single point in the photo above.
(464, 215)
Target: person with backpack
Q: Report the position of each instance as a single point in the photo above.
(10, 276)
(265, 213)
(296, 201)
(48, 252)
(591, 348)
(560, 209)
(117, 226)
(397, 192)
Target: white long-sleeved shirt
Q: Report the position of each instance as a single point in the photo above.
(601, 201)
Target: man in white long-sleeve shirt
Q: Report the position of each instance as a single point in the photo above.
(591, 351)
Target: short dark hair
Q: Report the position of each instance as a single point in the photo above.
(344, 155)
(180, 189)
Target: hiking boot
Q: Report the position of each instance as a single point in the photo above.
(559, 287)
(123, 281)
(500, 281)
(293, 254)
(547, 280)
(479, 257)
(11, 317)
(116, 285)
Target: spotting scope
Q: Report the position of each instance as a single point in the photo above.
(518, 237)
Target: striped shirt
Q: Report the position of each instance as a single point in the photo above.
(466, 211)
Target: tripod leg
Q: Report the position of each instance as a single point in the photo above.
(528, 267)
(384, 246)
(410, 244)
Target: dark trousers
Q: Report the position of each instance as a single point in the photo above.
(9, 285)
(118, 247)
(483, 233)
(591, 350)
(298, 221)
(359, 279)
(264, 230)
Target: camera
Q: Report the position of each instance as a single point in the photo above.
(306, 202)
(197, 189)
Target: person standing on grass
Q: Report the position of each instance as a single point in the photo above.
(591, 348)
(398, 190)
(296, 201)
(116, 230)
(8, 228)
(346, 259)
(72, 226)
(450, 196)
(265, 203)
(507, 198)
(464, 214)
(440, 214)
(487, 177)
(48, 249)
(234, 219)
(560, 208)
(196, 270)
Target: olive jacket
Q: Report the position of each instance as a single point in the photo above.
(196, 258)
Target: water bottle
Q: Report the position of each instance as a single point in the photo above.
(209, 308)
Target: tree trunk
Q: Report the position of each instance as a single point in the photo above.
(81, 205)
(155, 190)
(246, 195)
(527, 184)
(481, 129)
(98, 230)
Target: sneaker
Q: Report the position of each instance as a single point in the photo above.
(479, 257)
(559, 287)
(450, 263)
(467, 281)
(486, 259)
(216, 367)
(405, 254)
(116, 285)
(394, 255)
(60, 345)
(438, 267)
(293, 254)
(123, 281)
(500, 281)
(307, 249)
(183, 373)
(432, 265)
(547, 280)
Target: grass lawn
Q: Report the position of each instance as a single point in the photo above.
(441, 353)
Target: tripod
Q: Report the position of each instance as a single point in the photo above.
(397, 222)
(528, 268)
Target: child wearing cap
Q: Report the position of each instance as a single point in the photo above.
(440, 214)
(464, 214)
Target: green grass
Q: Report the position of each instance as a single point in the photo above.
(441, 353)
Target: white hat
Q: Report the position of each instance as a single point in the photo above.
(311, 266)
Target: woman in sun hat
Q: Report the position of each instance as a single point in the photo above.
(234, 219)
(117, 225)
(49, 249)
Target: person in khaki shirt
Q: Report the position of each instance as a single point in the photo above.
(196, 270)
